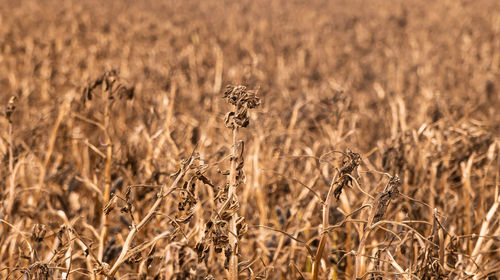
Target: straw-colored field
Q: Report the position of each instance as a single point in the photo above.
(248, 139)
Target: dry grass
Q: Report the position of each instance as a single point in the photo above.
(365, 144)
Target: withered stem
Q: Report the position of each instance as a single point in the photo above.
(233, 240)
(324, 233)
(130, 237)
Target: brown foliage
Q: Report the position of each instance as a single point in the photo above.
(353, 141)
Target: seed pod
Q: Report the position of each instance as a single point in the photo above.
(11, 108)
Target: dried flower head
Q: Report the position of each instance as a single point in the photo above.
(350, 162)
(110, 83)
(243, 100)
(38, 232)
(390, 192)
(11, 108)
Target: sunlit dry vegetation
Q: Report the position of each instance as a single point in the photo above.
(249, 139)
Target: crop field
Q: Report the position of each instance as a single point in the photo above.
(253, 139)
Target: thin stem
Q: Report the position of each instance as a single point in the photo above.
(152, 211)
(107, 181)
(324, 233)
(233, 240)
(12, 187)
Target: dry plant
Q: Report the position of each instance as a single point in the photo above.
(226, 227)
(375, 153)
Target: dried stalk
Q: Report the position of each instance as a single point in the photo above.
(11, 107)
(12, 185)
(233, 239)
(340, 180)
(62, 112)
(397, 266)
(112, 89)
(130, 237)
(485, 230)
(242, 100)
(107, 182)
(324, 233)
(381, 203)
